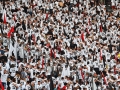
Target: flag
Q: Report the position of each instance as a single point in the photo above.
(10, 32)
(46, 16)
(64, 88)
(12, 29)
(1, 85)
(4, 17)
(52, 53)
(82, 74)
(100, 54)
(101, 28)
(42, 62)
(82, 37)
(105, 80)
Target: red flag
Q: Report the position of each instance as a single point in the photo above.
(42, 62)
(12, 29)
(105, 80)
(100, 54)
(10, 32)
(1, 85)
(4, 17)
(82, 74)
(46, 16)
(4, 21)
(64, 88)
(101, 28)
(82, 37)
(51, 52)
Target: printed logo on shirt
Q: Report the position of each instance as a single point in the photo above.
(22, 83)
(13, 87)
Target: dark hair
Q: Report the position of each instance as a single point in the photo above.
(13, 80)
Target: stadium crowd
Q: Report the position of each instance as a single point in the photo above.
(59, 45)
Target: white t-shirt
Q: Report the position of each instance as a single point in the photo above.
(47, 86)
(95, 64)
(49, 69)
(7, 66)
(4, 77)
(39, 86)
(31, 73)
(5, 41)
(12, 87)
(27, 87)
(13, 71)
(23, 84)
(13, 6)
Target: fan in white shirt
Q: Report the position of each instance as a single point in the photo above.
(27, 87)
(23, 84)
(4, 75)
(39, 86)
(13, 70)
(13, 85)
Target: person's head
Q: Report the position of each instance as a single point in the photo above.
(62, 78)
(38, 82)
(5, 71)
(13, 80)
(32, 84)
(65, 84)
(28, 82)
